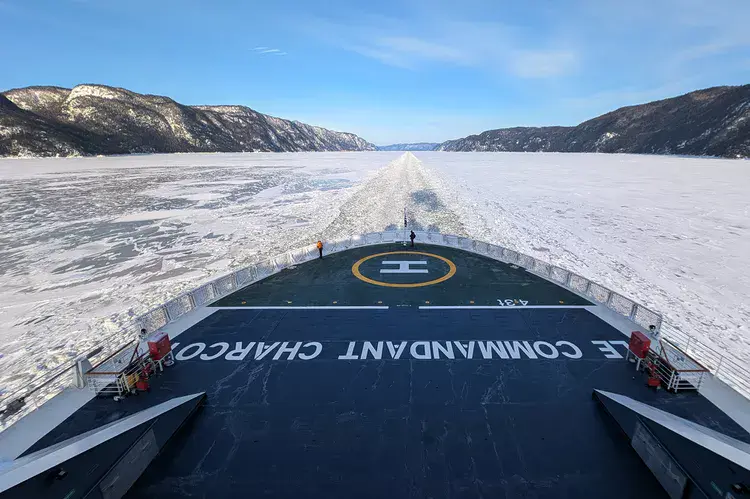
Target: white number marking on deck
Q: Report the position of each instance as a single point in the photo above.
(508, 302)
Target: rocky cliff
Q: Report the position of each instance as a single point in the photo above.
(96, 119)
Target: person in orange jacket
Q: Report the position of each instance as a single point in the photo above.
(320, 248)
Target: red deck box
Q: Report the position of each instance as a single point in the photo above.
(639, 344)
(158, 345)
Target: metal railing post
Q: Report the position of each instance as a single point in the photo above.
(167, 314)
(658, 323)
(721, 361)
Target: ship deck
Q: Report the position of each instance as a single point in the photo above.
(336, 379)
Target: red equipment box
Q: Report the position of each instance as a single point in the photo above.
(639, 344)
(158, 345)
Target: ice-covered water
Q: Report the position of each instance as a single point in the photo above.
(87, 244)
(671, 232)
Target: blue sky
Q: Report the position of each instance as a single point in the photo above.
(389, 70)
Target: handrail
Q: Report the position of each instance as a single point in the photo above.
(725, 367)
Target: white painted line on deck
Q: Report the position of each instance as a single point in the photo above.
(496, 307)
(311, 307)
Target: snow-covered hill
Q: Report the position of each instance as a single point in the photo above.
(96, 119)
(710, 122)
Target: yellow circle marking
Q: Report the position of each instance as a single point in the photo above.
(358, 274)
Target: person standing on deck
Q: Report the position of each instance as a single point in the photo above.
(412, 236)
(653, 331)
(320, 248)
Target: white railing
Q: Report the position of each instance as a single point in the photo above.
(725, 367)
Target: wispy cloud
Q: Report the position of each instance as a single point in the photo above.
(269, 51)
(673, 39)
(408, 52)
(487, 46)
(666, 40)
(411, 48)
(543, 64)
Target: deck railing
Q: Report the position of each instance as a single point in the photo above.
(725, 367)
